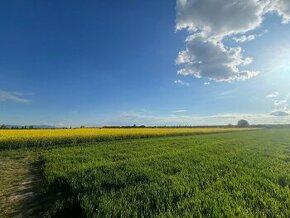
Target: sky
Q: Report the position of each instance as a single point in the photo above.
(165, 62)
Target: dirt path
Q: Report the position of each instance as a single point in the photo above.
(20, 186)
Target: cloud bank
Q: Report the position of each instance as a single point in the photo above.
(209, 22)
(194, 120)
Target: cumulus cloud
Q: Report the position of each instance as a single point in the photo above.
(182, 83)
(282, 8)
(222, 18)
(280, 113)
(209, 59)
(208, 23)
(13, 97)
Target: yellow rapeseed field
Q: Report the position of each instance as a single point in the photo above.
(45, 137)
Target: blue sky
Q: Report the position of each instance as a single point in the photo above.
(116, 62)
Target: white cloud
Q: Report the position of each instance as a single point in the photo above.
(247, 38)
(273, 95)
(13, 97)
(280, 103)
(244, 38)
(281, 106)
(208, 23)
(182, 83)
(280, 113)
(206, 83)
(209, 59)
(219, 18)
(282, 7)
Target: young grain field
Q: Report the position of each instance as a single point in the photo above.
(235, 174)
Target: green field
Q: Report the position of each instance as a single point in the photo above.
(238, 174)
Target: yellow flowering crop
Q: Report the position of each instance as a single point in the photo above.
(46, 137)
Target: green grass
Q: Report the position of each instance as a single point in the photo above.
(244, 174)
(241, 174)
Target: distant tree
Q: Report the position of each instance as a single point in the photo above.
(230, 125)
(243, 123)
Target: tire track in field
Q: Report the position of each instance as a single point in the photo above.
(22, 182)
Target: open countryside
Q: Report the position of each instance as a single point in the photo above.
(145, 109)
(213, 173)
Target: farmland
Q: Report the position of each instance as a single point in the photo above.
(234, 174)
(35, 138)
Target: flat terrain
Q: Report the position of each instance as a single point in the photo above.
(234, 174)
(26, 138)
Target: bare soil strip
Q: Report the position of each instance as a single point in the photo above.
(21, 184)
